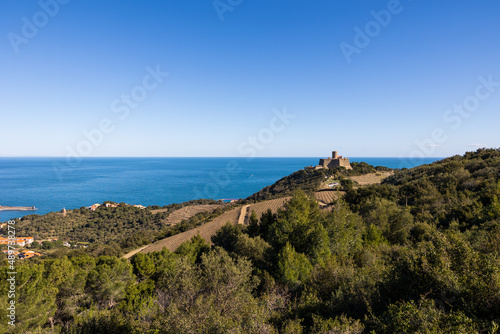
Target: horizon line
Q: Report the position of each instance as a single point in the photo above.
(222, 157)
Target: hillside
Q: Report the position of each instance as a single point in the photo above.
(311, 180)
(417, 253)
(206, 231)
(304, 179)
(239, 215)
(461, 190)
(124, 225)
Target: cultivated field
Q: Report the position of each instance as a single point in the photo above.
(206, 231)
(260, 208)
(324, 198)
(237, 215)
(372, 178)
(186, 212)
(327, 196)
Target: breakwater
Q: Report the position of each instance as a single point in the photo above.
(17, 208)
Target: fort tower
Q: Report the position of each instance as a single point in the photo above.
(335, 161)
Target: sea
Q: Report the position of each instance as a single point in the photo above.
(51, 184)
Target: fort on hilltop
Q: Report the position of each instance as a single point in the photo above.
(335, 161)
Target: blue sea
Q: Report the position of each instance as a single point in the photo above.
(51, 184)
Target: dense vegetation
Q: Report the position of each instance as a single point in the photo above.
(419, 253)
(124, 226)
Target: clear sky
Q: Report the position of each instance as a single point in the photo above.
(249, 77)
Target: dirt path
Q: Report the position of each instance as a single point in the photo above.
(243, 214)
(132, 253)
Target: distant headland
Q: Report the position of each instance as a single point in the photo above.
(17, 208)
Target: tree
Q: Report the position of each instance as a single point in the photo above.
(293, 268)
(101, 321)
(214, 296)
(227, 236)
(108, 280)
(394, 222)
(35, 300)
(238, 244)
(143, 265)
(424, 317)
(299, 224)
(194, 248)
(345, 230)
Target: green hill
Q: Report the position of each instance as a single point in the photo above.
(309, 180)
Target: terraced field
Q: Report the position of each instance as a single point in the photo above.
(186, 212)
(327, 196)
(373, 178)
(323, 197)
(236, 215)
(206, 231)
(261, 207)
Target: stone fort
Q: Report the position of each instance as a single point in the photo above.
(334, 161)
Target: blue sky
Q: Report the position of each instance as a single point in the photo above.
(68, 67)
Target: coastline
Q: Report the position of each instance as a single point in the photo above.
(144, 180)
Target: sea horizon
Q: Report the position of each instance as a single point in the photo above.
(208, 157)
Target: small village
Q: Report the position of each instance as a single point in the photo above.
(20, 242)
(94, 207)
